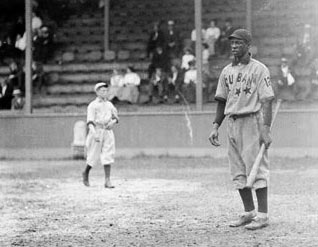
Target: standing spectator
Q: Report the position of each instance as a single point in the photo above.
(159, 60)
(36, 22)
(6, 94)
(116, 85)
(205, 58)
(175, 82)
(18, 100)
(17, 29)
(190, 80)
(173, 41)
(194, 36)
(156, 39)
(158, 85)
(224, 38)
(305, 47)
(212, 35)
(42, 41)
(186, 58)
(130, 92)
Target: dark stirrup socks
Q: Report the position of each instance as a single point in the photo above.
(247, 199)
(261, 195)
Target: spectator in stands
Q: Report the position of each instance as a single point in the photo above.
(116, 86)
(6, 90)
(36, 22)
(17, 29)
(130, 92)
(224, 42)
(38, 77)
(305, 47)
(43, 42)
(158, 86)
(18, 100)
(212, 35)
(205, 58)
(186, 58)
(172, 41)
(156, 39)
(286, 81)
(159, 60)
(175, 82)
(16, 76)
(194, 36)
(190, 80)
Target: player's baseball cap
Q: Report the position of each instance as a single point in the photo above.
(99, 85)
(242, 34)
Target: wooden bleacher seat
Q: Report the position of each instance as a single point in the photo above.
(123, 55)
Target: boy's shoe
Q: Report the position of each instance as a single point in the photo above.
(258, 223)
(108, 185)
(85, 179)
(243, 219)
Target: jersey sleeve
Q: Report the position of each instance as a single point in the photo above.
(265, 90)
(90, 114)
(114, 112)
(222, 89)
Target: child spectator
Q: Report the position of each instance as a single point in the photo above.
(130, 92)
(186, 58)
(159, 60)
(286, 81)
(190, 80)
(116, 85)
(18, 100)
(158, 84)
(175, 81)
(205, 58)
(100, 143)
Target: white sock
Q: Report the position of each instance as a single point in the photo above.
(251, 212)
(262, 215)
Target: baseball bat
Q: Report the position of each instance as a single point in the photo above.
(251, 178)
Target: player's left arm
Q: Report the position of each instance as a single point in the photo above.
(114, 120)
(266, 95)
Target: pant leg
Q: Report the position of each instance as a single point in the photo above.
(93, 149)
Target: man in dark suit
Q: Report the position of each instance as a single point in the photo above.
(172, 41)
(156, 39)
(6, 95)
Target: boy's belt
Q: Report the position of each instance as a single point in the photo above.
(236, 116)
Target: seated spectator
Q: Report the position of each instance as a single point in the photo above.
(16, 76)
(212, 35)
(186, 58)
(159, 59)
(18, 100)
(158, 85)
(130, 92)
(224, 43)
(172, 39)
(205, 58)
(190, 80)
(116, 86)
(156, 38)
(38, 77)
(175, 81)
(6, 90)
(42, 42)
(286, 81)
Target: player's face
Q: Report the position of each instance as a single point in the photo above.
(239, 47)
(102, 92)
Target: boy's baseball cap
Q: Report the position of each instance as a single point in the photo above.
(242, 34)
(99, 85)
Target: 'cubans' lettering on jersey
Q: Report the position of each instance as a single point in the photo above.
(247, 79)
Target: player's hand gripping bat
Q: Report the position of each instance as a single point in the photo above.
(251, 178)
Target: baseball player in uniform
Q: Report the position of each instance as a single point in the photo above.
(100, 142)
(244, 94)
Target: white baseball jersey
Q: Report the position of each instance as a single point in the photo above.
(244, 87)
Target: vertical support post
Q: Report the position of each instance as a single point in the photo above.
(249, 15)
(28, 57)
(198, 51)
(106, 26)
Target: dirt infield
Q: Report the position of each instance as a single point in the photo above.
(156, 202)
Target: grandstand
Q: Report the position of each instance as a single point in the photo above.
(79, 61)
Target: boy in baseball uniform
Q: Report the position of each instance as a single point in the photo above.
(244, 94)
(100, 142)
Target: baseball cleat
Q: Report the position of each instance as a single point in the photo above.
(85, 179)
(257, 223)
(244, 219)
(108, 185)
